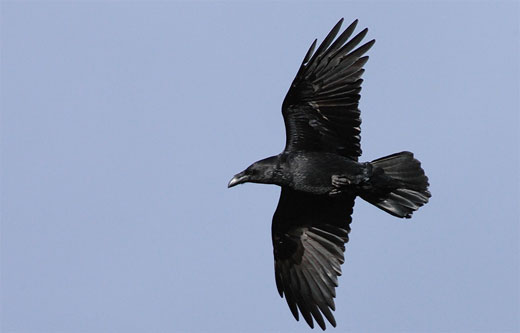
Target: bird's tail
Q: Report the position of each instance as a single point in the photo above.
(398, 185)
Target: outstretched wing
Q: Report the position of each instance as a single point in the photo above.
(309, 235)
(321, 108)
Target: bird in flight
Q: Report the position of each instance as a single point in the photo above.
(320, 176)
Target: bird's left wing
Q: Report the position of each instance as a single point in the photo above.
(309, 233)
(320, 109)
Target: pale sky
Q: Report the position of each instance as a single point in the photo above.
(122, 122)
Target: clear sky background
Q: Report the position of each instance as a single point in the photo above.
(122, 122)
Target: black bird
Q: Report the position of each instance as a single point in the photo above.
(320, 175)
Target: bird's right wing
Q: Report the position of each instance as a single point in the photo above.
(320, 109)
(309, 233)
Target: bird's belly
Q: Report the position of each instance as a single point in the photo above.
(314, 172)
(313, 184)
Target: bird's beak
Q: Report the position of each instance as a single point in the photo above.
(238, 179)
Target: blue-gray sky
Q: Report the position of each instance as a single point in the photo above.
(122, 122)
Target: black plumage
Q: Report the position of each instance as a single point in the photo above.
(320, 175)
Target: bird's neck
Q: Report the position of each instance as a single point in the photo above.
(281, 175)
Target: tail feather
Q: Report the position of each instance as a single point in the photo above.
(398, 185)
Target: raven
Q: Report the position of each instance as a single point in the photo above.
(320, 175)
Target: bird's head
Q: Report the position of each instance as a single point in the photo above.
(262, 171)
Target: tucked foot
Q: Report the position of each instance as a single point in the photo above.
(339, 181)
(335, 192)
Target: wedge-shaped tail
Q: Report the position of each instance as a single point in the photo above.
(398, 185)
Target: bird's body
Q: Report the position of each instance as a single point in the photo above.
(320, 175)
(314, 172)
